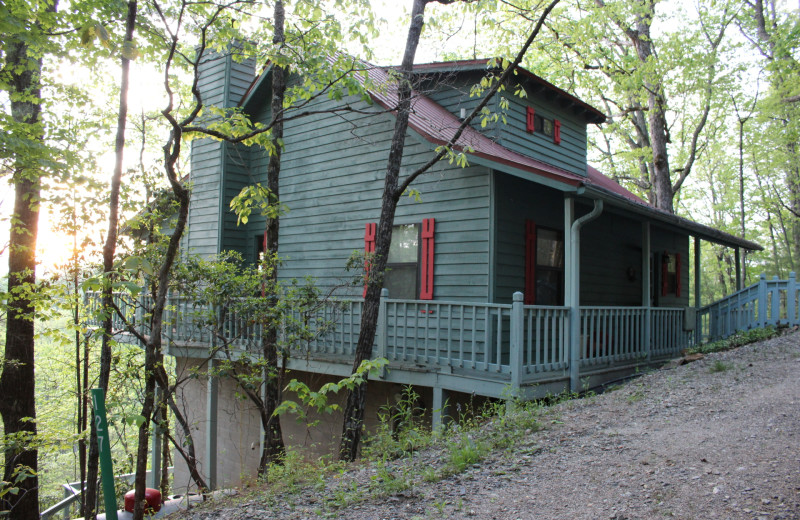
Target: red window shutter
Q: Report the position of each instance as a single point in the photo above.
(678, 275)
(426, 279)
(664, 273)
(529, 123)
(557, 131)
(530, 262)
(369, 248)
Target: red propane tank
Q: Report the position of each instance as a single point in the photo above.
(151, 496)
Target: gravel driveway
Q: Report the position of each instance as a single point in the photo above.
(717, 438)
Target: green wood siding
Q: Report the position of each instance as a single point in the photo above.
(222, 83)
(332, 180)
(515, 202)
(570, 155)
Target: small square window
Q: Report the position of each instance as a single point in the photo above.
(547, 127)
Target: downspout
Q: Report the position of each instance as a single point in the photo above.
(575, 294)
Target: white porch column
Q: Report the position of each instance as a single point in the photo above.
(211, 426)
(569, 218)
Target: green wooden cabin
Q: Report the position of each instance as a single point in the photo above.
(525, 272)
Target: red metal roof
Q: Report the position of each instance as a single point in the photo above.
(438, 126)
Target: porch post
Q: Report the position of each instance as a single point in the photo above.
(738, 269)
(569, 217)
(516, 359)
(698, 333)
(211, 426)
(646, 283)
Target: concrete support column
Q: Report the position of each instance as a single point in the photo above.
(211, 426)
(441, 408)
(154, 477)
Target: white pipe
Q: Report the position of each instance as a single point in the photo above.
(575, 296)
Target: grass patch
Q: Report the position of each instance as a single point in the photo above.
(719, 366)
(737, 340)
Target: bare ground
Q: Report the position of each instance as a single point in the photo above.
(717, 438)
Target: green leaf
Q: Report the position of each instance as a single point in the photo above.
(129, 50)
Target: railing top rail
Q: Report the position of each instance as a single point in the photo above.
(456, 303)
(627, 308)
(545, 307)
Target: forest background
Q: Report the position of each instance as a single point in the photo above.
(702, 100)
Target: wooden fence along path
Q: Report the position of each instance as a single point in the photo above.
(768, 302)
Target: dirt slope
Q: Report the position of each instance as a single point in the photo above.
(717, 438)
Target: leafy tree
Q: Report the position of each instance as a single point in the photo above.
(23, 33)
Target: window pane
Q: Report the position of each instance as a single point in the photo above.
(547, 127)
(404, 244)
(549, 248)
(401, 280)
(548, 287)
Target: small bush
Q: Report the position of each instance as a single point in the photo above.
(737, 340)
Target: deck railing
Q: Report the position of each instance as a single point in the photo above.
(768, 302)
(517, 343)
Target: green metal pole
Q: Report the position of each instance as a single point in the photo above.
(104, 446)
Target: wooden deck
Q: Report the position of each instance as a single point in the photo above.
(494, 350)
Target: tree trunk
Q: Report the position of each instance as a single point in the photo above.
(274, 449)
(17, 386)
(356, 398)
(109, 250)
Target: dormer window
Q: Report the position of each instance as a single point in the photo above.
(536, 124)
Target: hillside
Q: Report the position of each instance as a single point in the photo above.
(717, 438)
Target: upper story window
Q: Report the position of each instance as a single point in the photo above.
(537, 124)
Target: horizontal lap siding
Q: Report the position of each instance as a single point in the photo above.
(332, 176)
(212, 161)
(672, 242)
(517, 201)
(570, 155)
(609, 246)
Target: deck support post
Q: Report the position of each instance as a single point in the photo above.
(154, 477)
(211, 426)
(646, 284)
(440, 414)
(575, 296)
